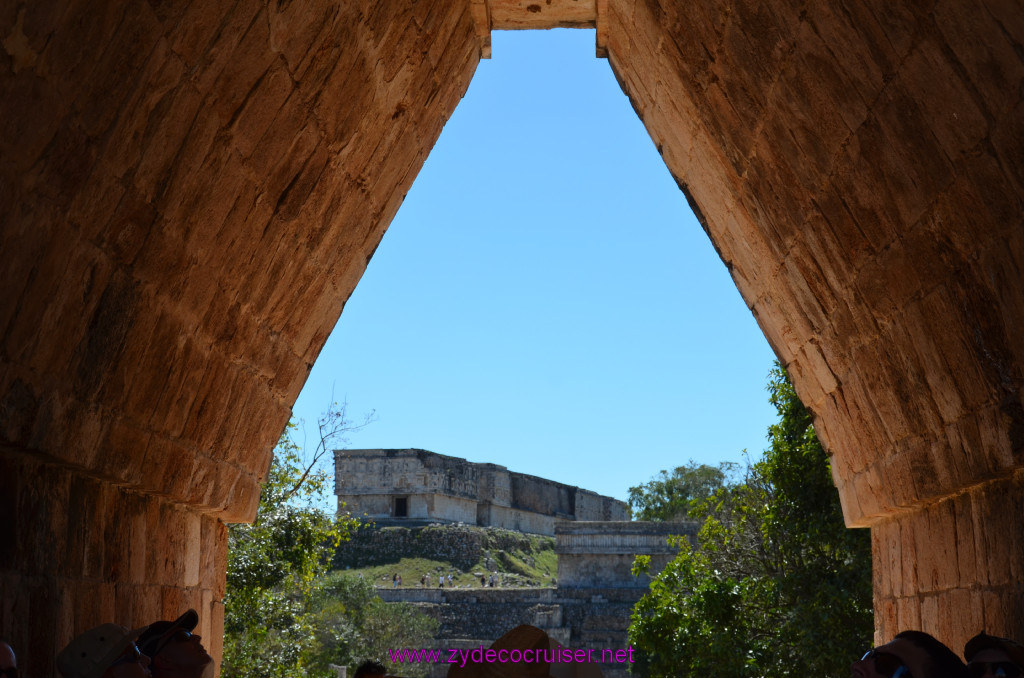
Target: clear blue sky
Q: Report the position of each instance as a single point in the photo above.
(545, 299)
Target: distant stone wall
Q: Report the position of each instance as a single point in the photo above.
(600, 554)
(592, 619)
(590, 609)
(420, 485)
(461, 546)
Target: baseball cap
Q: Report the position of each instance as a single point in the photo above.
(90, 654)
(983, 641)
(156, 635)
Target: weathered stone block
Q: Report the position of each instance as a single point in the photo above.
(600, 554)
(422, 485)
(934, 81)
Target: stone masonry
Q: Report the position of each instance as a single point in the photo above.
(577, 618)
(861, 176)
(417, 485)
(589, 609)
(189, 192)
(601, 554)
(459, 545)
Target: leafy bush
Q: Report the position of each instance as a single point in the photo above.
(777, 585)
(285, 617)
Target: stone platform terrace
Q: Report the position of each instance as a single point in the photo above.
(588, 609)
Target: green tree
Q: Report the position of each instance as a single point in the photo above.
(668, 497)
(286, 615)
(275, 566)
(777, 585)
(353, 625)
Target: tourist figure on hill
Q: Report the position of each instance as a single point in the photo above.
(440, 581)
(911, 654)
(992, 657)
(8, 662)
(174, 651)
(449, 579)
(106, 651)
(394, 580)
(483, 581)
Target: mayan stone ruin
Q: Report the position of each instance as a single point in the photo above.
(190, 191)
(589, 608)
(595, 541)
(417, 485)
(601, 554)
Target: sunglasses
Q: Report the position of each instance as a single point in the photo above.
(181, 635)
(997, 669)
(888, 665)
(131, 654)
(154, 645)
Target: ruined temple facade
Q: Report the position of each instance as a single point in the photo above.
(417, 485)
(595, 554)
(590, 607)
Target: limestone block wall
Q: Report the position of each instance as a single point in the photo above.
(418, 507)
(454, 509)
(462, 546)
(380, 505)
(98, 553)
(451, 489)
(595, 619)
(496, 485)
(957, 564)
(530, 493)
(600, 554)
(590, 608)
(591, 506)
(393, 472)
(615, 511)
(588, 506)
(189, 192)
(857, 167)
(523, 521)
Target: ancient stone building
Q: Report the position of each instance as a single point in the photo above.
(417, 485)
(589, 608)
(595, 619)
(601, 554)
(189, 192)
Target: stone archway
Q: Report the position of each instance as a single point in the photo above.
(190, 192)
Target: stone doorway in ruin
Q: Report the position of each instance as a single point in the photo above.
(190, 192)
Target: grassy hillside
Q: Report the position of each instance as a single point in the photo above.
(465, 552)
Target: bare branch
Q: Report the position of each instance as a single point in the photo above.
(333, 428)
